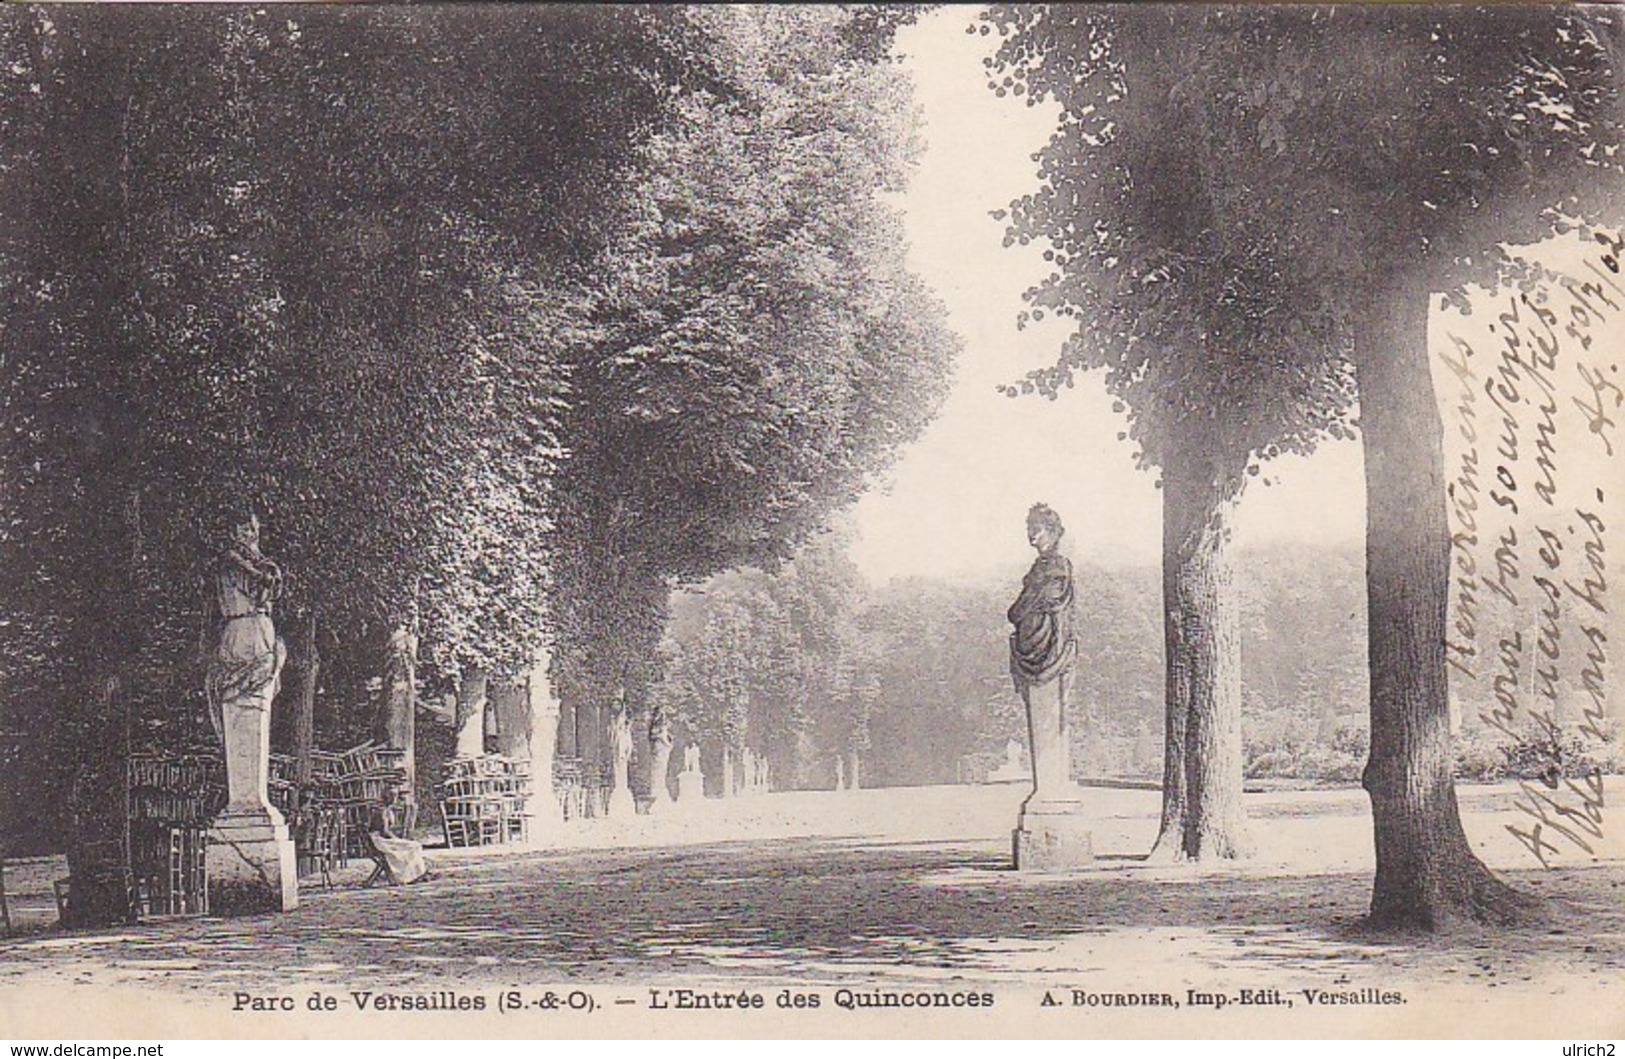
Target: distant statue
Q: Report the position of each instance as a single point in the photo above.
(621, 802)
(840, 772)
(691, 781)
(246, 667)
(660, 747)
(621, 735)
(1043, 654)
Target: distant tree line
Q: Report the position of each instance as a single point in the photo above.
(912, 680)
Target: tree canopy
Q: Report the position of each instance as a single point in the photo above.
(765, 351)
(1285, 204)
(504, 319)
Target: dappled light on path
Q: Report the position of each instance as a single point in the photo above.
(842, 909)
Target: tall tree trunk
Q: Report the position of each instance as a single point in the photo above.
(641, 776)
(1170, 842)
(510, 710)
(545, 742)
(398, 714)
(589, 732)
(98, 846)
(1427, 875)
(99, 799)
(472, 692)
(567, 744)
(304, 705)
(806, 760)
(1202, 813)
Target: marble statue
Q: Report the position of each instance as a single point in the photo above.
(245, 670)
(622, 805)
(250, 856)
(1043, 654)
(690, 781)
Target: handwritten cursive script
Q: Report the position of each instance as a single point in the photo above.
(1535, 408)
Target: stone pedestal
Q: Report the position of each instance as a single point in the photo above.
(545, 713)
(621, 803)
(251, 863)
(1051, 833)
(250, 859)
(1052, 837)
(690, 788)
(659, 768)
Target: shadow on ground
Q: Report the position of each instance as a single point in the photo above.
(831, 911)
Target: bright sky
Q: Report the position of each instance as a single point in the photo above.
(956, 502)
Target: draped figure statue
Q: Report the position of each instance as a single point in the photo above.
(1043, 655)
(245, 669)
(250, 858)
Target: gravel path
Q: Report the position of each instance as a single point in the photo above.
(891, 908)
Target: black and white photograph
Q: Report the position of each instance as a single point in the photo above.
(558, 521)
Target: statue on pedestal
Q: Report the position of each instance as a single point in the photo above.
(660, 744)
(1043, 653)
(691, 781)
(621, 803)
(544, 808)
(250, 857)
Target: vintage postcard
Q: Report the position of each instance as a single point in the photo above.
(1069, 521)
